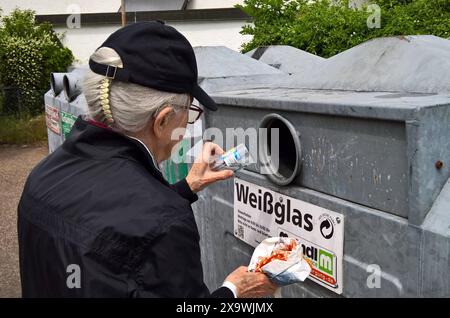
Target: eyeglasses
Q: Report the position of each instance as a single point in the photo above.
(194, 114)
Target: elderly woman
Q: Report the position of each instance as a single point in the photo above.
(96, 217)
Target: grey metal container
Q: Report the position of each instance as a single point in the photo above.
(286, 58)
(75, 104)
(379, 158)
(52, 107)
(53, 99)
(370, 156)
(64, 103)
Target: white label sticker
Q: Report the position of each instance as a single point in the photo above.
(52, 119)
(260, 213)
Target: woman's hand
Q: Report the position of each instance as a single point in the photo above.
(201, 174)
(251, 285)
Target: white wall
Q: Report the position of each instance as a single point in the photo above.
(90, 6)
(84, 41)
(210, 4)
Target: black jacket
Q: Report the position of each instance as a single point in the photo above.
(98, 207)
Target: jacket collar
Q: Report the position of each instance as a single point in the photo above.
(90, 139)
(155, 164)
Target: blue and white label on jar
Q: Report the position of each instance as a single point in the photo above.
(231, 157)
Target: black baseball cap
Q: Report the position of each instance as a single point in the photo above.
(154, 55)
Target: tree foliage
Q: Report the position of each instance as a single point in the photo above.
(29, 52)
(326, 27)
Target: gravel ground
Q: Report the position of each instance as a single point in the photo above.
(15, 164)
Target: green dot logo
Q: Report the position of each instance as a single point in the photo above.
(327, 229)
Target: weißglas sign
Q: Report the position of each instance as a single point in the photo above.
(260, 213)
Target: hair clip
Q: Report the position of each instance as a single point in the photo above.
(104, 101)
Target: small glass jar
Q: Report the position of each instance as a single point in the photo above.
(234, 159)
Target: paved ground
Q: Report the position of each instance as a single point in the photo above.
(15, 164)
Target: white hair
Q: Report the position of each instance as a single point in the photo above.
(132, 106)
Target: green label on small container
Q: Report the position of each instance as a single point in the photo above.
(67, 121)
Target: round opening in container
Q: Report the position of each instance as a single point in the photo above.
(56, 84)
(52, 82)
(66, 86)
(280, 156)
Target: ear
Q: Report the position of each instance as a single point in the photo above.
(161, 121)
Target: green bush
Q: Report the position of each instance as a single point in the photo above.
(325, 27)
(29, 52)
